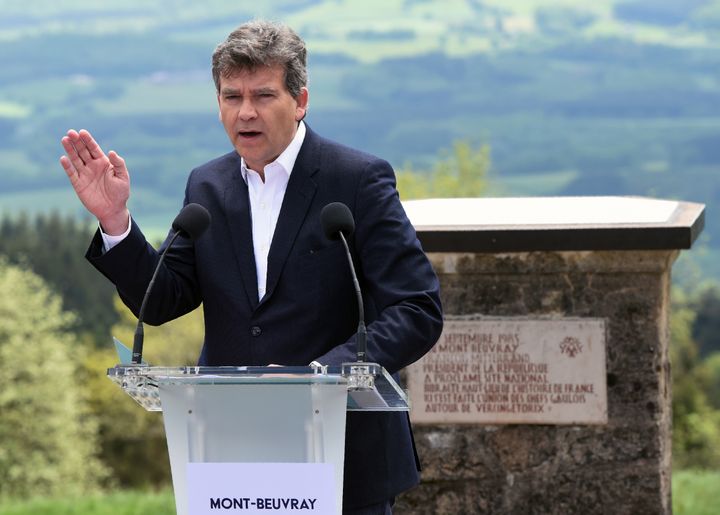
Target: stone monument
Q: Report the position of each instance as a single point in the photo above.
(549, 390)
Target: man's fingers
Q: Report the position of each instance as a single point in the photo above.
(68, 167)
(82, 141)
(72, 153)
(71, 172)
(81, 147)
(92, 146)
(84, 153)
(68, 146)
(118, 163)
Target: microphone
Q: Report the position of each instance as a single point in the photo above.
(336, 219)
(191, 222)
(337, 223)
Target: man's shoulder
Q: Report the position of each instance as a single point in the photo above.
(229, 161)
(216, 171)
(336, 153)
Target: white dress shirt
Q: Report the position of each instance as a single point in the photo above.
(265, 202)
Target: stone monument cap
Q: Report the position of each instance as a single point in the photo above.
(524, 224)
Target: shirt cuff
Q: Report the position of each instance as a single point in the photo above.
(110, 241)
(318, 368)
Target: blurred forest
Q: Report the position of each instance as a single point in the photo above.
(464, 97)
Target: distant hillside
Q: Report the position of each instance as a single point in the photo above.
(587, 98)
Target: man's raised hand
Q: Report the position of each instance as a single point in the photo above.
(101, 181)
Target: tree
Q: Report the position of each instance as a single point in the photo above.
(710, 371)
(47, 436)
(54, 247)
(696, 424)
(459, 173)
(706, 327)
(133, 440)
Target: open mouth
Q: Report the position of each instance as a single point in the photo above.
(249, 134)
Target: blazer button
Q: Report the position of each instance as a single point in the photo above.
(255, 330)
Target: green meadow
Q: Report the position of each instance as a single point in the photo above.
(694, 493)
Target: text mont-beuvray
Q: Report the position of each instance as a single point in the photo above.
(261, 503)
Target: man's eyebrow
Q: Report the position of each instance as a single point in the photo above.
(257, 91)
(264, 89)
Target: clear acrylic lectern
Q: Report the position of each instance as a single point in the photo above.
(257, 414)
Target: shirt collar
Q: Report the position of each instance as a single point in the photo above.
(287, 159)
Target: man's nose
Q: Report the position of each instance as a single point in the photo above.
(247, 110)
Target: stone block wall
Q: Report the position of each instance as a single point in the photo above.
(621, 467)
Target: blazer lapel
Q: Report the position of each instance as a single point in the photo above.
(237, 207)
(298, 197)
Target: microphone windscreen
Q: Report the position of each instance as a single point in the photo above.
(335, 218)
(192, 220)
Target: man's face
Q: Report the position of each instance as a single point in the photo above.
(259, 114)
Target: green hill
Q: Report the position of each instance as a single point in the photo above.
(612, 97)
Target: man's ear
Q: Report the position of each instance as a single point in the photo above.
(302, 101)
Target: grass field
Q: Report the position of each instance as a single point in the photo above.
(694, 493)
(116, 503)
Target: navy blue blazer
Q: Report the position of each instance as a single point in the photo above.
(309, 310)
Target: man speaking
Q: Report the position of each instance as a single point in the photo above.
(275, 290)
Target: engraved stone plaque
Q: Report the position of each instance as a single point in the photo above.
(512, 371)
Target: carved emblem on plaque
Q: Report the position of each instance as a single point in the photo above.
(571, 346)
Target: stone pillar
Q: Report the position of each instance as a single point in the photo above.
(600, 258)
